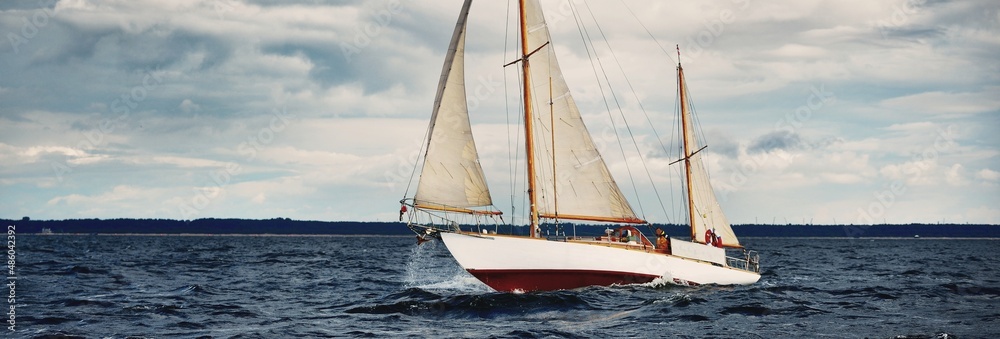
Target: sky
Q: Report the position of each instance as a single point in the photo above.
(820, 112)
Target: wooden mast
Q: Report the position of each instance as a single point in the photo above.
(687, 141)
(529, 136)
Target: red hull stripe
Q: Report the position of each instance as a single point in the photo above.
(550, 280)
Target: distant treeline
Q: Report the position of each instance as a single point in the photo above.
(288, 226)
(207, 226)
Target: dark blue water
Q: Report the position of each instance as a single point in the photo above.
(268, 287)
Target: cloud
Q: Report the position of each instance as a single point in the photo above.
(259, 198)
(955, 176)
(988, 175)
(121, 200)
(942, 102)
(777, 140)
(189, 106)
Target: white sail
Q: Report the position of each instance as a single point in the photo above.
(452, 176)
(707, 213)
(582, 187)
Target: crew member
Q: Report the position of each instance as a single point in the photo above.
(662, 241)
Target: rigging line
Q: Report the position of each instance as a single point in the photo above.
(547, 158)
(552, 130)
(672, 141)
(682, 203)
(446, 217)
(673, 138)
(416, 162)
(679, 126)
(648, 120)
(517, 150)
(583, 31)
(525, 200)
(513, 161)
(547, 161)
(697, 129)
(669, 56)
(506, 105)
(697, 125)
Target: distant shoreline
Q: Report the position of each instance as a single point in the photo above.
(214, 235)
(409, 236)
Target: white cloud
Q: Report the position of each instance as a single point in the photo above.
(988, 175)
(259, 198)
(119, 201)
(942, 102)
(912, 127)
(982, 214)
(189, 106)
(798, 51)
(955, 176)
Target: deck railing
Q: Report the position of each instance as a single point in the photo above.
(749, 262)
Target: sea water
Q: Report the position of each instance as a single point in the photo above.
(271, 287)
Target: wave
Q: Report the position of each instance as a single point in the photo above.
(322, 287)
(429, 267)
(80, 269)
(86, 302)
(420, 302)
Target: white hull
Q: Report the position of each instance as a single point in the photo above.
(509, 263)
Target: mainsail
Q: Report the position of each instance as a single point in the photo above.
(705, 211)
(452, 178)
(571, 179)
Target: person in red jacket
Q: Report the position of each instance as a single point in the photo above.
(662, 241)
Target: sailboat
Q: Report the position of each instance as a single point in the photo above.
(567, 179)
